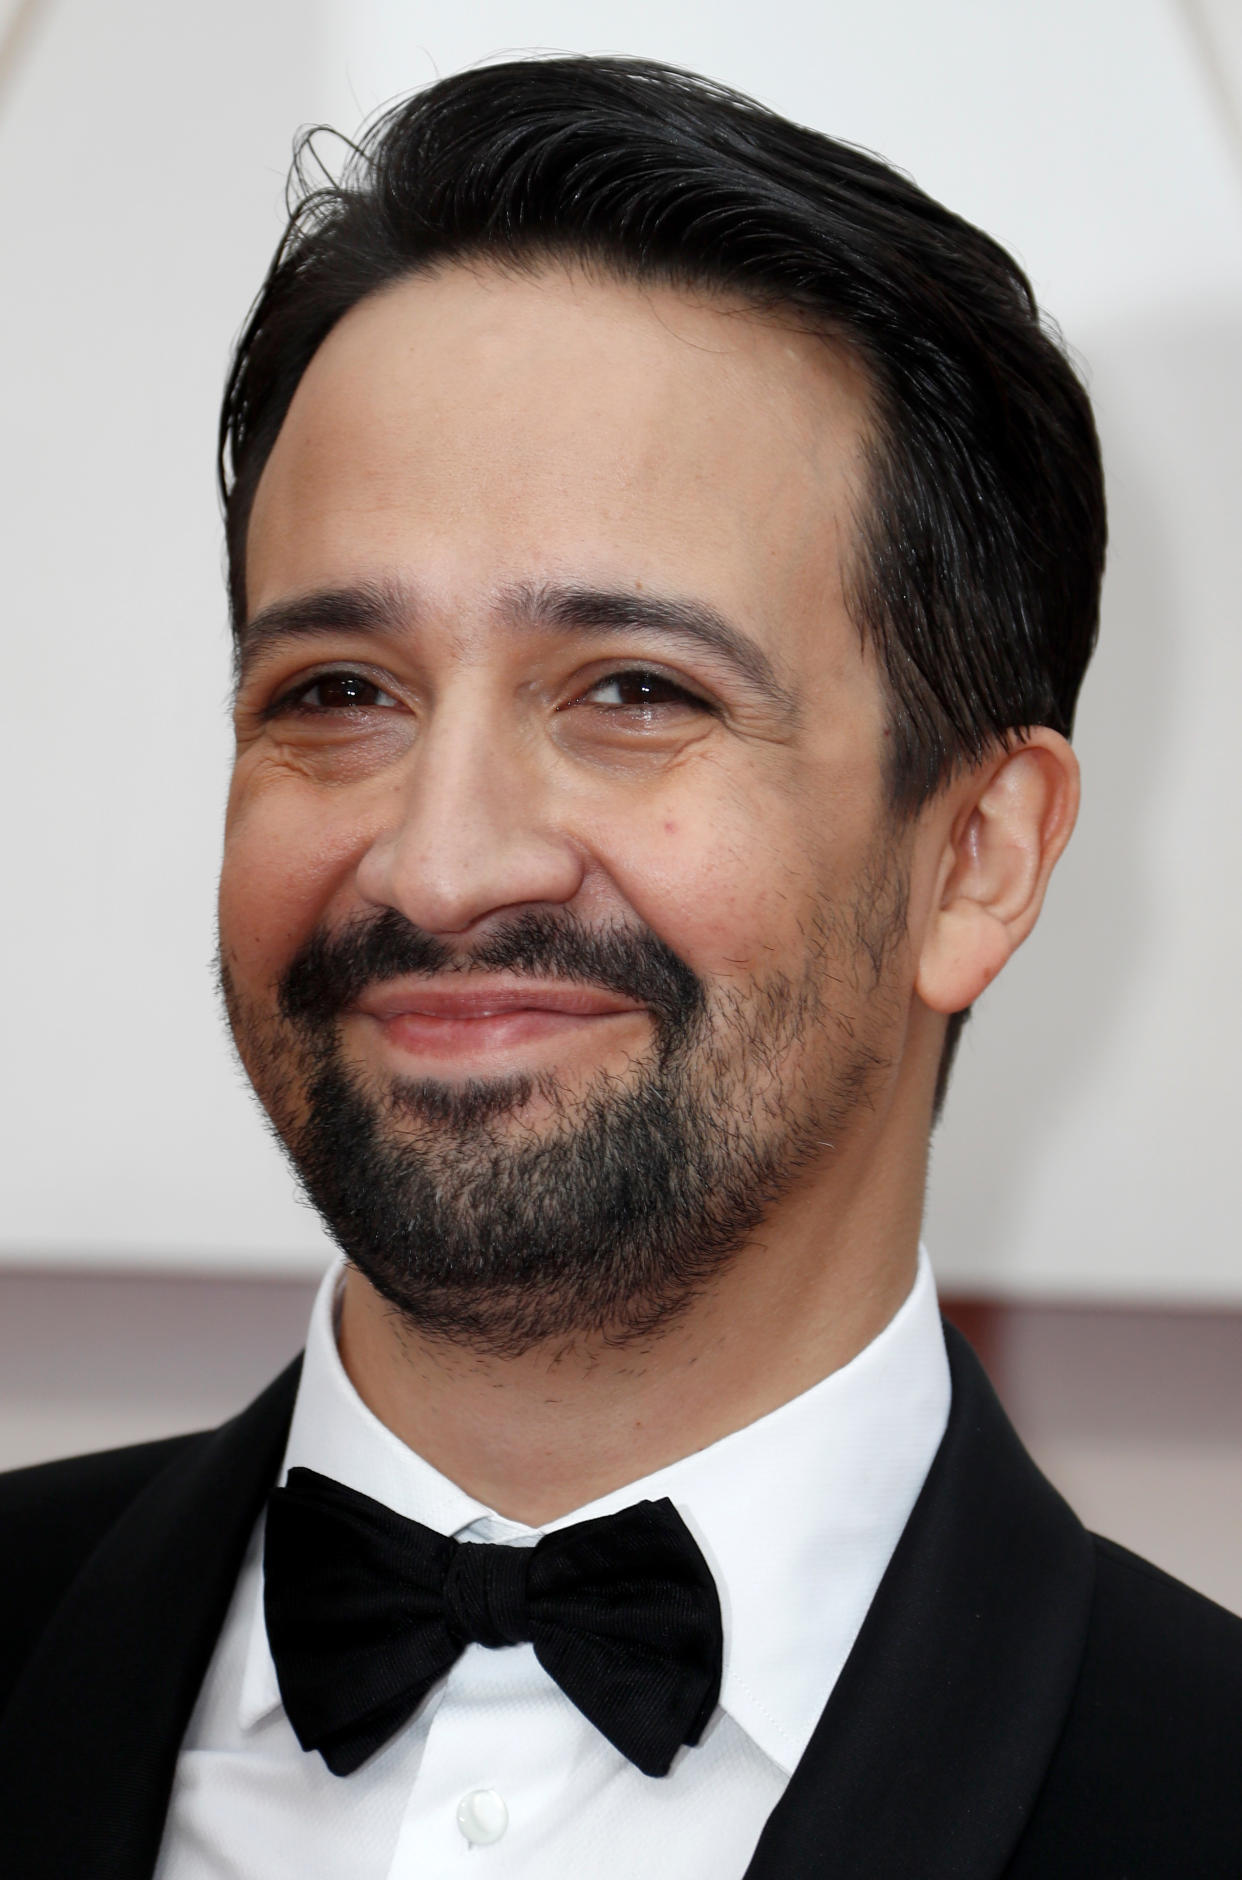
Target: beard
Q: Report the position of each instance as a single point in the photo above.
(606, 1216)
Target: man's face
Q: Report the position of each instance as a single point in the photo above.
(562, 925)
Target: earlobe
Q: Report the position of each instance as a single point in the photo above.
(1008, 831)
(964, 950)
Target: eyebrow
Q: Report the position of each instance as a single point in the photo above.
(596, 610)
(366, 608)
(372, 607)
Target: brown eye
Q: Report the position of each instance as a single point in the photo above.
(641, 690)
(338, 692)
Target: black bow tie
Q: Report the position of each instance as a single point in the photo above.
(366, 1611)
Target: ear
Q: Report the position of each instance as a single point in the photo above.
(1005, 839)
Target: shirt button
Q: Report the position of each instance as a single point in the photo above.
(482, 1816)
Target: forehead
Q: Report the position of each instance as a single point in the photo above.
(472, 429)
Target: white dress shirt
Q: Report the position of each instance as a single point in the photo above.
(498, 1774)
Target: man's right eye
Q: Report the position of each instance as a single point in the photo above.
(332, 692)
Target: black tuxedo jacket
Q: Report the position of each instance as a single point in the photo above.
(1023, 1700)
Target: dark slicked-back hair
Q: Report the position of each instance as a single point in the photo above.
(976, 572)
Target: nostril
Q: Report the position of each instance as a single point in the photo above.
(449, 875)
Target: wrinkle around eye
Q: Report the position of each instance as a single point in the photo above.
(614, 738)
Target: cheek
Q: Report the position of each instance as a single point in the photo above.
(728, 891)
(285, 865)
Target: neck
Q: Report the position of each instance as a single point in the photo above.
(537, 1436)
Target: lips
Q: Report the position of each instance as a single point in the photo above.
(489, 1019)
(488, 999)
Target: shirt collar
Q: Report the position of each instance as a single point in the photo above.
(797, 1514)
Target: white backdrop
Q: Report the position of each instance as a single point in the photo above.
(1090, 1146)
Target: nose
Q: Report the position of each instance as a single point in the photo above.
(470, 830)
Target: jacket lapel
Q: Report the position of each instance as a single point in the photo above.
(929, 1755)
(89, 1742)
(924, 1765)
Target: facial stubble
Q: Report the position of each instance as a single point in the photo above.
(511, 1213)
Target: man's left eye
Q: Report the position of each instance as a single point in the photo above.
(638, 689)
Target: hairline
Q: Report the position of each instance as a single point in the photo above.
(527, 259)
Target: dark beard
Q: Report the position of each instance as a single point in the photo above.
(606, 1220)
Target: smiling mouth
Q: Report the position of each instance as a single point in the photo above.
(493, 1016)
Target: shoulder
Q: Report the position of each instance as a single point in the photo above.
(1145, 1781)
(1164, 1638)
(61, 1508)
(52, 1516)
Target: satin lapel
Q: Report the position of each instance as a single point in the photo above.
(928, 1757)
(88, 1745)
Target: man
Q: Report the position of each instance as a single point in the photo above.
(664, 554)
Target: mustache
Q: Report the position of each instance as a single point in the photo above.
(332, 970)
